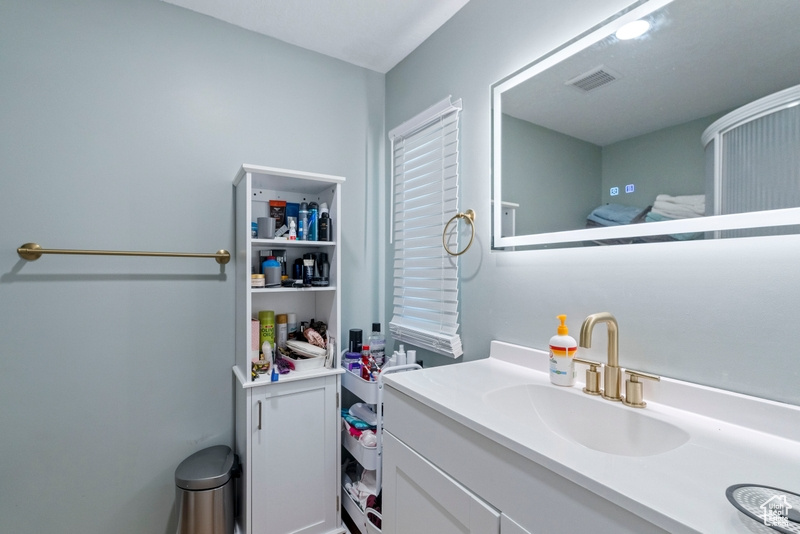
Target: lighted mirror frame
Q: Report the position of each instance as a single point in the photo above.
(709, 223)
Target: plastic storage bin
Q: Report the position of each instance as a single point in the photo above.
(205, 491)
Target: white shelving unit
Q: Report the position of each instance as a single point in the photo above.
(368, 457)
(287, 432)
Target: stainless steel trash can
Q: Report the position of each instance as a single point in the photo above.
(205, 492)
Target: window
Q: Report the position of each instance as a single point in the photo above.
(425, 197)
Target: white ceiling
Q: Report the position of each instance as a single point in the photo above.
(703, 57)
(375, 34)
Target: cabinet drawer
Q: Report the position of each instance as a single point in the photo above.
(418, 497)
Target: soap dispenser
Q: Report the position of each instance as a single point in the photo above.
(562, 351)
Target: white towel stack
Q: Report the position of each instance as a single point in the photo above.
(680, 207)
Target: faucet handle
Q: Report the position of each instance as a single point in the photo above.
(633, 388)
(592, 376)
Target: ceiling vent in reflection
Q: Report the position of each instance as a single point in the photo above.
(594, 79)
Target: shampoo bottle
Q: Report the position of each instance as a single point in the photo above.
(313, 222)
(302, 222)
(562, 350)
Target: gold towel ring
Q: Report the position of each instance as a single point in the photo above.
(468, 216)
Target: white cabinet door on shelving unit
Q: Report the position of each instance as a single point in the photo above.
(418, 497)
(294, 442)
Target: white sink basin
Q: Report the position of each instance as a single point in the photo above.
(593, 422)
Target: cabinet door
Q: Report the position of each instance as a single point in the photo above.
(418, 497)
(294, 457)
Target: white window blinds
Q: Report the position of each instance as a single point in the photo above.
(425, 189)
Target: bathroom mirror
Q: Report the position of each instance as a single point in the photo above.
(607, 141)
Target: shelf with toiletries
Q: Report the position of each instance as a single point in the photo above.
(281, 243)
(366, 526)
(297, 275)
(292, 266)
(366, 390)
(362, 424)
(362, 469)
(361, 411)
(290, 289)
(265, 380)
(366, 456)
(274, 392)
(361, 477)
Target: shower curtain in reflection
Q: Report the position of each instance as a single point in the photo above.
(759, 167)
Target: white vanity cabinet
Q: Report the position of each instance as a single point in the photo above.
(418, 497)
(428, 455)
(286, 432)
(502, 431)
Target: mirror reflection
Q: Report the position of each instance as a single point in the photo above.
(693, 118)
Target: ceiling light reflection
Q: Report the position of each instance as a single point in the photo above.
(633, 30)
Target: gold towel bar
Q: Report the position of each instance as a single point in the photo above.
(32, 251)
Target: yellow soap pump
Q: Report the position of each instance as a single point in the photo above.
(562, 349)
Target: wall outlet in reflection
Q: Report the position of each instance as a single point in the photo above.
(629, 188)
(614, 191)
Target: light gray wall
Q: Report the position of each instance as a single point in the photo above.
(558, 180)
(669, 161)
(554, 177)
(718, 312)
(122, 125)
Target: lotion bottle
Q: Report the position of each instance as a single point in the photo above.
(562, 350)
(401, 355)
(391, 362)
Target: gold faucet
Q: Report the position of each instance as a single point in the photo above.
(613, 373)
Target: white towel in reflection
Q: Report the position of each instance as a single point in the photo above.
(680, 207)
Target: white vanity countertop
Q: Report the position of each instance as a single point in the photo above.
(734, 439)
